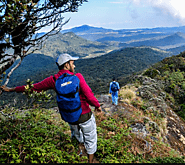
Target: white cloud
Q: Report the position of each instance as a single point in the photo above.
(173, 7)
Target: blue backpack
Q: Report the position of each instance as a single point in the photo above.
(114, 87)
(68, 99)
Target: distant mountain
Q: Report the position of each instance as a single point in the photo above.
(164, 42)
(102, 34)
(90, 33)
(74, 45)
(176, 38)
(163, 37)
(88, 41)
(87, 29)
(131, 37)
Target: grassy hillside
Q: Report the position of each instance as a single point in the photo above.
(40, 136)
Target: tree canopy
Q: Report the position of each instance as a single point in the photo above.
(20, 23)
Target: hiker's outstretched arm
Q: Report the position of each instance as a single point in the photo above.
(7, 89)
(47, 83)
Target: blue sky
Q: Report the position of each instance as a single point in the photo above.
(128, 14)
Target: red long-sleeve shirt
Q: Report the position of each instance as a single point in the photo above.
(86, 96)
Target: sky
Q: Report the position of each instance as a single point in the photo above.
(128, 14)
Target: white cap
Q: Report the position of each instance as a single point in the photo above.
(63, 58)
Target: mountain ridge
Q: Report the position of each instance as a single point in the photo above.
(120, 38)
(74, 45)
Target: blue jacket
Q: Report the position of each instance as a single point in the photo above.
(110, 91)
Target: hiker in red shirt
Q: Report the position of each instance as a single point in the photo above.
(85, 128)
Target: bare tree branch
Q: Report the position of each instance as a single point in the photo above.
(9, 64)
(9, 74)
(20, 22)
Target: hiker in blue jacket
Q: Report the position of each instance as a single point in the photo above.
(114, 90)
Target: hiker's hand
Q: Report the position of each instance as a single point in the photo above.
(98, 110)
(7, 89)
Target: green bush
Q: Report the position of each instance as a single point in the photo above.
(176, 77)
(181, 113)
(35, 138)
(151, 72)
(167, 160)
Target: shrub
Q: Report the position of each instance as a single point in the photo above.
(176, 77)
(151, 72)
(37, 138)
(167, 160)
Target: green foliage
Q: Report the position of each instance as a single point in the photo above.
(182, 111)
(170, 98)
(167, 160)
(37, 138)
(40, 136)
(183, 85)
(176, 77)
(34, 96)
(113, 143)
(151, 72)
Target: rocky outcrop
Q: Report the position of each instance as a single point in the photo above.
(152, 90)
(106, 105)
(169, 126)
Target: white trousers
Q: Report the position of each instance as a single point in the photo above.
(86, 133)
